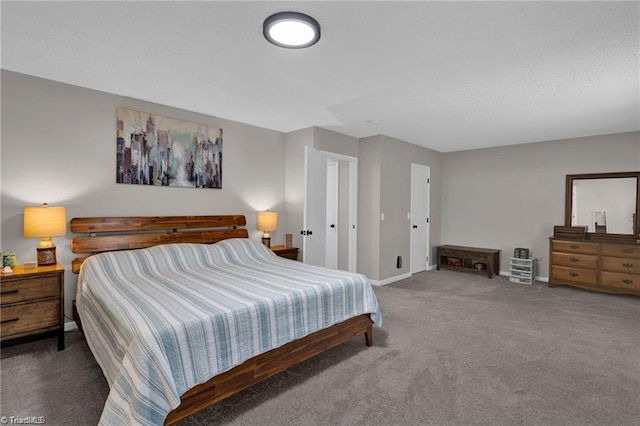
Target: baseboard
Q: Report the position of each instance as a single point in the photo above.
(70, 326)
(391, 280)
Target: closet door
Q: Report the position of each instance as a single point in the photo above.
(315, 208)
(419, 217)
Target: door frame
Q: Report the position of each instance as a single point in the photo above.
(332, 240)
(352, 255)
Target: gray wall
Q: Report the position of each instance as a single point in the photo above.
(58, 146)
(329, 141)
(512, 196)
(395, 202)
(369, 206)
(385, 187)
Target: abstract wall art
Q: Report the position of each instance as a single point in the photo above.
(156, 150)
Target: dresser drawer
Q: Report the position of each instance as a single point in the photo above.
(578, 247)
(574, 275)
(617, 264)
(22, 289)
(621, 250)
(622, 282)
(29, 317)
(582, 261)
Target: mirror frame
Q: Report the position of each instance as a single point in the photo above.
(604, 236)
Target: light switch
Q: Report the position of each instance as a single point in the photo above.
(381, 217)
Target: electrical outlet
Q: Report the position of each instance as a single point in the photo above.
(399, 262)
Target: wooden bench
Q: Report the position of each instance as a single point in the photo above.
(469, 259)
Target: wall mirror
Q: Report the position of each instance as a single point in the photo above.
(608, 204)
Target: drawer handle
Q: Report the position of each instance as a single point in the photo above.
(574, 259)
(4, 293)
(9, 320)
(627, 281)
(574, 246)
(628, 265)
(573, 274)
(628, 250)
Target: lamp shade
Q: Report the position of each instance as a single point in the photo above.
(267, 221)
(45, 221)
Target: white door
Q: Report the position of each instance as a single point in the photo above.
(315, 208)
(332, 215)
(419, 217)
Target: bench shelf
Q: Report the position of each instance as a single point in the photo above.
(469, 259)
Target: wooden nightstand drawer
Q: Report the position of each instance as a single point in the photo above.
(26, 318)
(32, 303)
(27, 288)
(286, 252)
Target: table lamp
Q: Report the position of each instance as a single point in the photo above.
(267, 222)
(45, 222)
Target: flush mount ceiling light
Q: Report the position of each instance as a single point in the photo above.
(291, 30)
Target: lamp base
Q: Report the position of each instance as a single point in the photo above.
(46, 256)
(266, 241)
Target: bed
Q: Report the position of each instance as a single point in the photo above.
(177, 323)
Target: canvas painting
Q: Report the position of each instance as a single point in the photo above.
(156, 150)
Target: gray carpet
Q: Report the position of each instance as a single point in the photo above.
(455, 349)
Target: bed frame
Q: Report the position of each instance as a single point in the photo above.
(125, 233)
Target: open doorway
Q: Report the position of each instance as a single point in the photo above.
(330, 211)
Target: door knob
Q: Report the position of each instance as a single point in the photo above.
(415, 226)
(332, 225)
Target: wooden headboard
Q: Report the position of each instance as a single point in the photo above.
(126, 233)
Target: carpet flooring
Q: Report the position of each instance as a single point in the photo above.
(454, 349)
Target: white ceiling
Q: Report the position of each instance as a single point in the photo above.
(446, 75)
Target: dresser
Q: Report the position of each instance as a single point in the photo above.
(598, 266)
(32, 304)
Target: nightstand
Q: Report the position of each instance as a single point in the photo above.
(288, 252)
(32, 304)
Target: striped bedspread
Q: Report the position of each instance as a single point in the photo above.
(164, 319)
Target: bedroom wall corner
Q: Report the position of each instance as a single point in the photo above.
(395, 203)
(337, 143)
(385, 187)
(512, 196)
